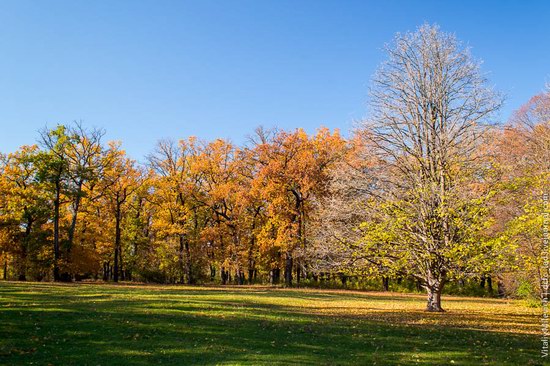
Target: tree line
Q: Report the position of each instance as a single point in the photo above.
(427, 188)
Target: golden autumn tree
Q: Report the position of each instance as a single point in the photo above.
(292, 170)
(121, 179)
(24, 207)
(225, 192)
(177, 215)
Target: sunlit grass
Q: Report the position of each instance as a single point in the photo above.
(96, 324)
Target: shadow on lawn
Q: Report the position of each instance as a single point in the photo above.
(66, 325)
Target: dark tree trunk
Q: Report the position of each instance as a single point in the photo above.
(482, 282)
(105, 271)
(275, 276)
(251, 267)
(115, 267)
(24, 245)
(212, 272)
(117, 243)
(56, 205)
(240, 277)
(180, 259)
(188, 269)
(5, 269)
(250, 276)
(288, 269)
(386, 283)
(344, 279)
(120, 262)
(489, 284)
(72, 228)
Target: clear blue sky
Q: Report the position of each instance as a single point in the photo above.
(146, 70)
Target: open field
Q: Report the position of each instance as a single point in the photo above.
(97, 324)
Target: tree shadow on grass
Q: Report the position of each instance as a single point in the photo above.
(58, 327)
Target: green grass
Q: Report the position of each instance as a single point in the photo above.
(97, 324)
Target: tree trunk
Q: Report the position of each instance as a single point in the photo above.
(288, 269)
(250, 276)
(386, 283)
(117, 243)
(500, 288)
(180, 259)
(240, 277)
(56, 204)
(251, 265)
(188, 269)
(105, 271)
(434, 300)
(76, 208)
(120, 262)
(344, 279)
(274, 276)
(212, 272)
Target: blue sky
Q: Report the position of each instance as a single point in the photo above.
(146, 70)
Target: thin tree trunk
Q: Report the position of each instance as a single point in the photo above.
(188, 269)
(120, 262)
(76, 208)
(386, 283)
(288, 269)
(57, 203)
(212, 272)
(24, 243)
(344, 279)
(250, 276)
(275, 276)
(180, 259)
(105, 273)
(117, 243)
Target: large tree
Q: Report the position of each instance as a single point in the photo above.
(429, 102)
(71, 158)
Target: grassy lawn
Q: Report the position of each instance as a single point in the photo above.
(96, 324)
